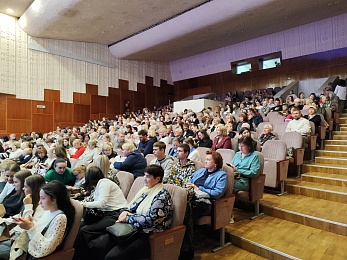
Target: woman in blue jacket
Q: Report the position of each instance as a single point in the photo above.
(208, 183)
(134, 162)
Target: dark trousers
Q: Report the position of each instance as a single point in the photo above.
(137, 247)
(88, 235)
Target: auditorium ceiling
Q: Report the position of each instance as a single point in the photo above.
(165, 30)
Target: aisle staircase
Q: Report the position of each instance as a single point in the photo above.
(311, 221)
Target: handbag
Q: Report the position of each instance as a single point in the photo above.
(93, 215)
(122, 231)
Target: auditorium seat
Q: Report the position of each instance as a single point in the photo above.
(221, 210)
(256, 189)
(227, 155)
(275, 163)
(166, 244)
(126, 180)
(295, 140)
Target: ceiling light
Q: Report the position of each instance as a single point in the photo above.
(9, 10)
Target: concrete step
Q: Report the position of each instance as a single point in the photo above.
(317, 190)
(313, 212)
(275, 238)
(340, 132)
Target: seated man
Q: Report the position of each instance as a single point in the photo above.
(146, 144)
(299, 124)
(254, 119)
(161, 159)
(182, 171)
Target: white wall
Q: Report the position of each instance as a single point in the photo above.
(28, 65)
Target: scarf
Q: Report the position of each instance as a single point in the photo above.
(144, 198)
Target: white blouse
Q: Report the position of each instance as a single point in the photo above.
(107, 196)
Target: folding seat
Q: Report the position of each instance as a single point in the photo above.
(149, 157)
(280, 128)
(227, 155)
(166, 244)
(275, 163)
(126, 180)
(202, 152)
(256, 189)
(221, 210)
(295, 140)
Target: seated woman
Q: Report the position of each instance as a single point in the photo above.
(313, 117)
(60, 152)
(266, 135)
(151, 211)
(246, 164)
(91, 152)
(103, 163)
(242, 119)
(32, 186)
(80, 173)
(204, 139)
(8, 169)
(60, 172)
(209, 182)
(77, 144)
(245, 132)
(13, 202)
(107, 149)
(222, 139)
(134, 163)
(193, 153)
(48, 233)
(173, 149)
(108, 198)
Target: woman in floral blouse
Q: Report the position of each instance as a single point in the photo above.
(151, 211)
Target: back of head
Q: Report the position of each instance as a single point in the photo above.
(103, 163)
(93, 175)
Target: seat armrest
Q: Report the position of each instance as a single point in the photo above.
(282, 169)
(322, 131)
(167, 244)
(312, 142)
(299, 156)
(222, 211)
(256, 187)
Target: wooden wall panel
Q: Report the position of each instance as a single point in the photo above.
(81, 113)
(18, 126)
(92, 89)
(18, 108)
(98, 104)
(42, 123)
(113, 104)
(63, 112)
(52, 95)
(48, 110)
(3, 125)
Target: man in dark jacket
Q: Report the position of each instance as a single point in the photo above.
(146, 144)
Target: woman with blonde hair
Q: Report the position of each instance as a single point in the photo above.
(77, 144)
(103, 163)
(222, 139)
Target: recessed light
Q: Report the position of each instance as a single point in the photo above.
(9, 10)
